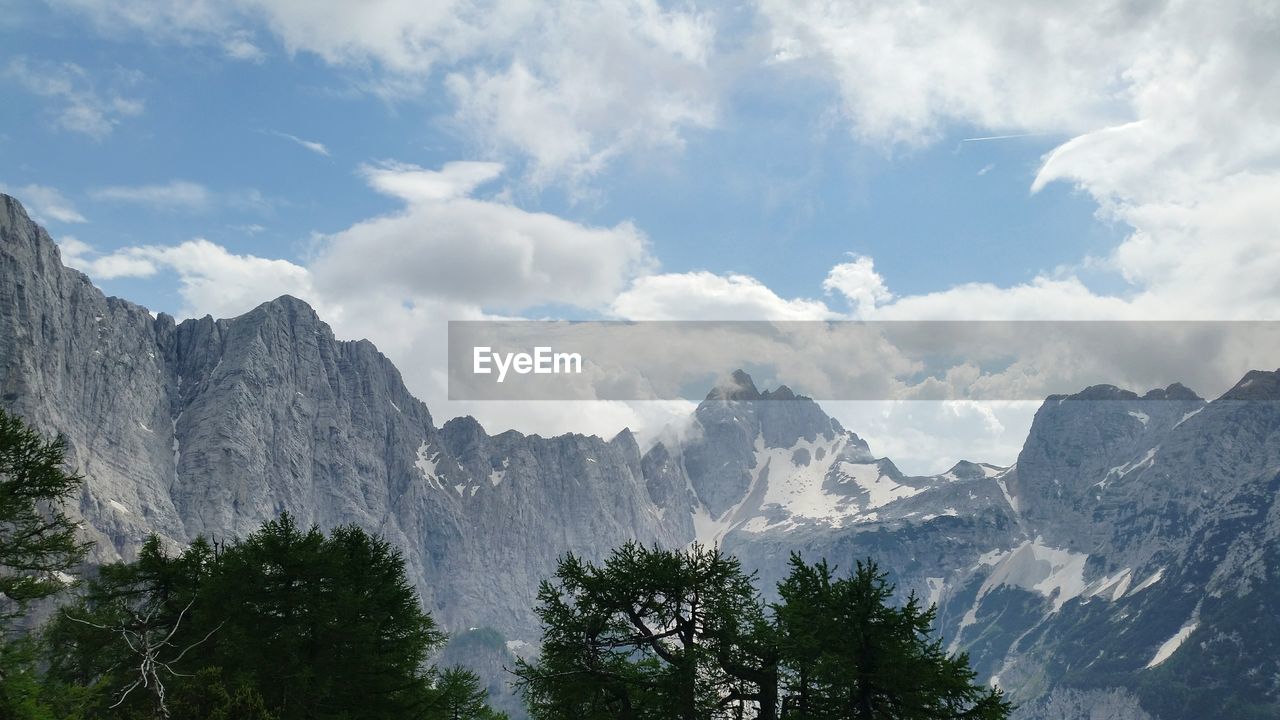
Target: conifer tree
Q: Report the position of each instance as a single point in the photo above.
(850, 653)
(38, 544)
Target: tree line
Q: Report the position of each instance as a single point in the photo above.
(291, 623)
(684, 635)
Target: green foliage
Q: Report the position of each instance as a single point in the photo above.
(684, 634)
(460, 696)
(37, 540)
(287, 623)
(21, 692)
(650, 634)
(848, 652)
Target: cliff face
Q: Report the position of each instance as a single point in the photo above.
(209, 427)
(1128, 561)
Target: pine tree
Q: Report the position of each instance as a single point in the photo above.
(654, 634)
(38, 544)
(287, 623)
(849, 653)
(459, 696)
(38, 547)
(651, 634)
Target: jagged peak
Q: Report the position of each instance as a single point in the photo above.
(1255, 385)
(462, 424)
(1097, 392)
(289, 304)
(737, 387)
(13, 209)
(782, 393)
(1176, 391)
(967, 469)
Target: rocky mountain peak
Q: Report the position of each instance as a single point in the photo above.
(1176, 391)
(1256, 385)
(738, 387)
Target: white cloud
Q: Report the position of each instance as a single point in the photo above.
(414, 184)
(183, 195)
(45, 203)
(859, 283)
(177, 194)
(83, 257)
(567, 86)
(594, 81)
(905, 69)
(1172, 112)
(223, 284)
(446, 246)
(240, 46)
(706, 296)
(929, 437)
(212, 280)
(78, 105)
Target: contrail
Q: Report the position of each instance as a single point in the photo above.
(1003, 137)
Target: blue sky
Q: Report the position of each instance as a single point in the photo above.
(768, 192)
(398, 165)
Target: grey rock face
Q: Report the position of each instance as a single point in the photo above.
(210, 427)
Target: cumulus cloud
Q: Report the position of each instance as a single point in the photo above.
(212, 280)
(597, 81)
(83, 257)
(46, 203)
(445, 244)
(414, 184)
(566, 86)
(859, 283)
(1170, 112)
(707, 296)
(77, 104)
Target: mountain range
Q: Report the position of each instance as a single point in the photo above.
(1124, 568)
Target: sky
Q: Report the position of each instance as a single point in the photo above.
(400, 164)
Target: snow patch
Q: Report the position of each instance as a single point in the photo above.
(1155, 578)
(1188, 416)
(1008, 497)
(118, 506)
(1054, 573)
(991, 557)
(936, 586)
(1112, 587)
(881, 489)
(426, 465)
(1120, 471)
(1170, 646)
(1142, 417)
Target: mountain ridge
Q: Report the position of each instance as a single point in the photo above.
(1115, 563)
